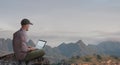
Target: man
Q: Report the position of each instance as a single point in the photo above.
(21, 50)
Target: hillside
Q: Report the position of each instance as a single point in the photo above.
(94, 60)
(107, 47)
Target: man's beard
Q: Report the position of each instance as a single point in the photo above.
(27, 29)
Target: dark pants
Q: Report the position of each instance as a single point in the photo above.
(34, 54)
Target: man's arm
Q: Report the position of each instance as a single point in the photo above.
(23, 42)
(24, 46)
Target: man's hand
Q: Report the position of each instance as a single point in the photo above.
(31, 48)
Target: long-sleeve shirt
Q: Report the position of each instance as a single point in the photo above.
(20, 44)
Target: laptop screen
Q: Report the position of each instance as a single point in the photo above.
(40, 44)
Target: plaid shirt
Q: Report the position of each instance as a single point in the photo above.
(19, 44)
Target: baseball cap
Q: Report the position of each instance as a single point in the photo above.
(25, 22)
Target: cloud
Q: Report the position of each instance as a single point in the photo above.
(0, 29)
(6, 33)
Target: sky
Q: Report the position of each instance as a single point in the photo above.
(59, 21)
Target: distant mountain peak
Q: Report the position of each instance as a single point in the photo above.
(63, 44)
(80, 42)
(2, 39)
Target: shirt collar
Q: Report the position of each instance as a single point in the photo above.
(23, 30)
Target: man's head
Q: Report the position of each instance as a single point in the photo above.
(25, 24)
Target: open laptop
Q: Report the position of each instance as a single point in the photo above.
(40, 44)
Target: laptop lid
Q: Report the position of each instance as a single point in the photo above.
(41, 44)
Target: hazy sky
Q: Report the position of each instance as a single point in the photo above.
(60, 21)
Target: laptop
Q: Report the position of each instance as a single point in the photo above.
(40, 44)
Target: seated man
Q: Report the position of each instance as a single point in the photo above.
(21, 50)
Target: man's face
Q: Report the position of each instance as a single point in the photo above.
(27, 27)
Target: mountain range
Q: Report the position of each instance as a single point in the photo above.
(67, 50)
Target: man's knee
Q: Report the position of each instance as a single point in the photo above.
(41, 52)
